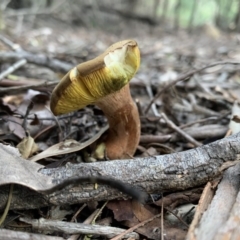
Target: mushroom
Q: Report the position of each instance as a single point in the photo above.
(104, 81)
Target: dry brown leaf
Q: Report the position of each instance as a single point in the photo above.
(131, 213)
(122, 210)
(68, 146)
(15, 126)
(15, 169)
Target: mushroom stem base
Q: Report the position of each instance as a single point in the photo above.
(124, 124)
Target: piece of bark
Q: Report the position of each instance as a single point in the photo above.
(205, 200)
(218, 211)
(231, 228)
(173, 172)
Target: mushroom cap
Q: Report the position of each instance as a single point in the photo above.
(90, 81)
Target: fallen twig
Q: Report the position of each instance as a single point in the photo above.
(74, 228)
(10, 44)
(39, 59)
(135, 227)
(180, 131)
(219, 208)
(20, 89)
(202, 132)
(13, 68)
(172, 172)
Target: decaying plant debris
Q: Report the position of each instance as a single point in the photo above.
(187, 92)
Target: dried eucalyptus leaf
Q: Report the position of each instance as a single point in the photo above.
(15, 169)
(68, 146)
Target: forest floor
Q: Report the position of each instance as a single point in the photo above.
(197, 110)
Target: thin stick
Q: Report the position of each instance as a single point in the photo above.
(3, 217)
(10, 44)
(180, 131)
(13, 68)
(29, 108)
(77, 213)
(99, 212)
(153, 105)
(38, 59)
(120, 236)
(61, 135)
(15, 90)
(180, 219)
(203, 120)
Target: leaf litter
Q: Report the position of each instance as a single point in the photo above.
(201, 105)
